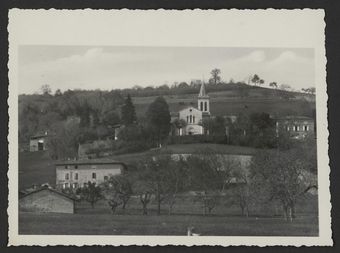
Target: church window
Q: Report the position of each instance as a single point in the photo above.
(205, 106)
(193, 119)
(190, 118)
(187, 119)
(201, 106)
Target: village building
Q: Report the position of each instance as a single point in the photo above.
(298, 127)
(46, 200)
(191, 118)
(38, 142)
(77, 173)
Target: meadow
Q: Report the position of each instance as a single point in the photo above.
(230, 103)
(225, 220)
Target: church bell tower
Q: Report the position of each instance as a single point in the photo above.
(203, 100)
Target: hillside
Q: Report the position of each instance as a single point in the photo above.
(35, 168)
(38, 167)
(231, 103)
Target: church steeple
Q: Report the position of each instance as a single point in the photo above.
(203, 100)
(202, 91)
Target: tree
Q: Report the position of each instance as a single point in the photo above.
(58, 92)
(158, 117)
(255, 79)
(183, 85)
(209, 173)
(283, 177)
(179, 124)
(111, 118)
(239, 190)
(91, 193)
(261, 82)
(262, 132)
(117, 190)
(45, 89)
(175, 181)
(215, 76)
(273, 85)
(154, 175)
(65, 140)
(128, 114)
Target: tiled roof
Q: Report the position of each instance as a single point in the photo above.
(88, 162)
(49, 189)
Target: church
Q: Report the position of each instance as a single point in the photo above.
(190, 118)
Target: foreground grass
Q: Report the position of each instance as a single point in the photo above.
(108, 224)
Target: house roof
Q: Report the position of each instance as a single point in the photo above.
(294, 118)
(38, 136)
(48, 189)
(89, 162)
(189, 107)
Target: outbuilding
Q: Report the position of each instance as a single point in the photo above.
(46, 200)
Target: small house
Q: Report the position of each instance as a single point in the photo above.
(46, 200)
(38, 142)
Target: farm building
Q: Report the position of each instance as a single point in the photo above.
(77, 173)
(46, 200)
(38, 142)
(298, 127)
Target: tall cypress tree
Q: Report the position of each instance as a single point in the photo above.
(159, 118)
(128, 112)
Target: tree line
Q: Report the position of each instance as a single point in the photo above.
(276, 177)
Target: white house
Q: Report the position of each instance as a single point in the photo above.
(77, 173)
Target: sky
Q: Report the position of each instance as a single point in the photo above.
(107, 68)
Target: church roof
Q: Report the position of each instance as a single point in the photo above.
(202, 91)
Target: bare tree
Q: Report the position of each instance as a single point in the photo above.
(283, 177)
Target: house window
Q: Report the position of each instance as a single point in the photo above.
(76, 166)
(295, 128)
(305, 128)
(106, 178)
(75, 176)
(67, 176)
(187, 119)
(288, 128)
(193, 119)
(94, 175)
(65, 166)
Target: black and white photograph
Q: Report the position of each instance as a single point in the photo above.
(180, 134)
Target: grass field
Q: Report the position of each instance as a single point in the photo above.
(229, 103)
(224, 220)
(35, 168)
(106, 224)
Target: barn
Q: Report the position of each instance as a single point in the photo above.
(46, 200)
(38, 142)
